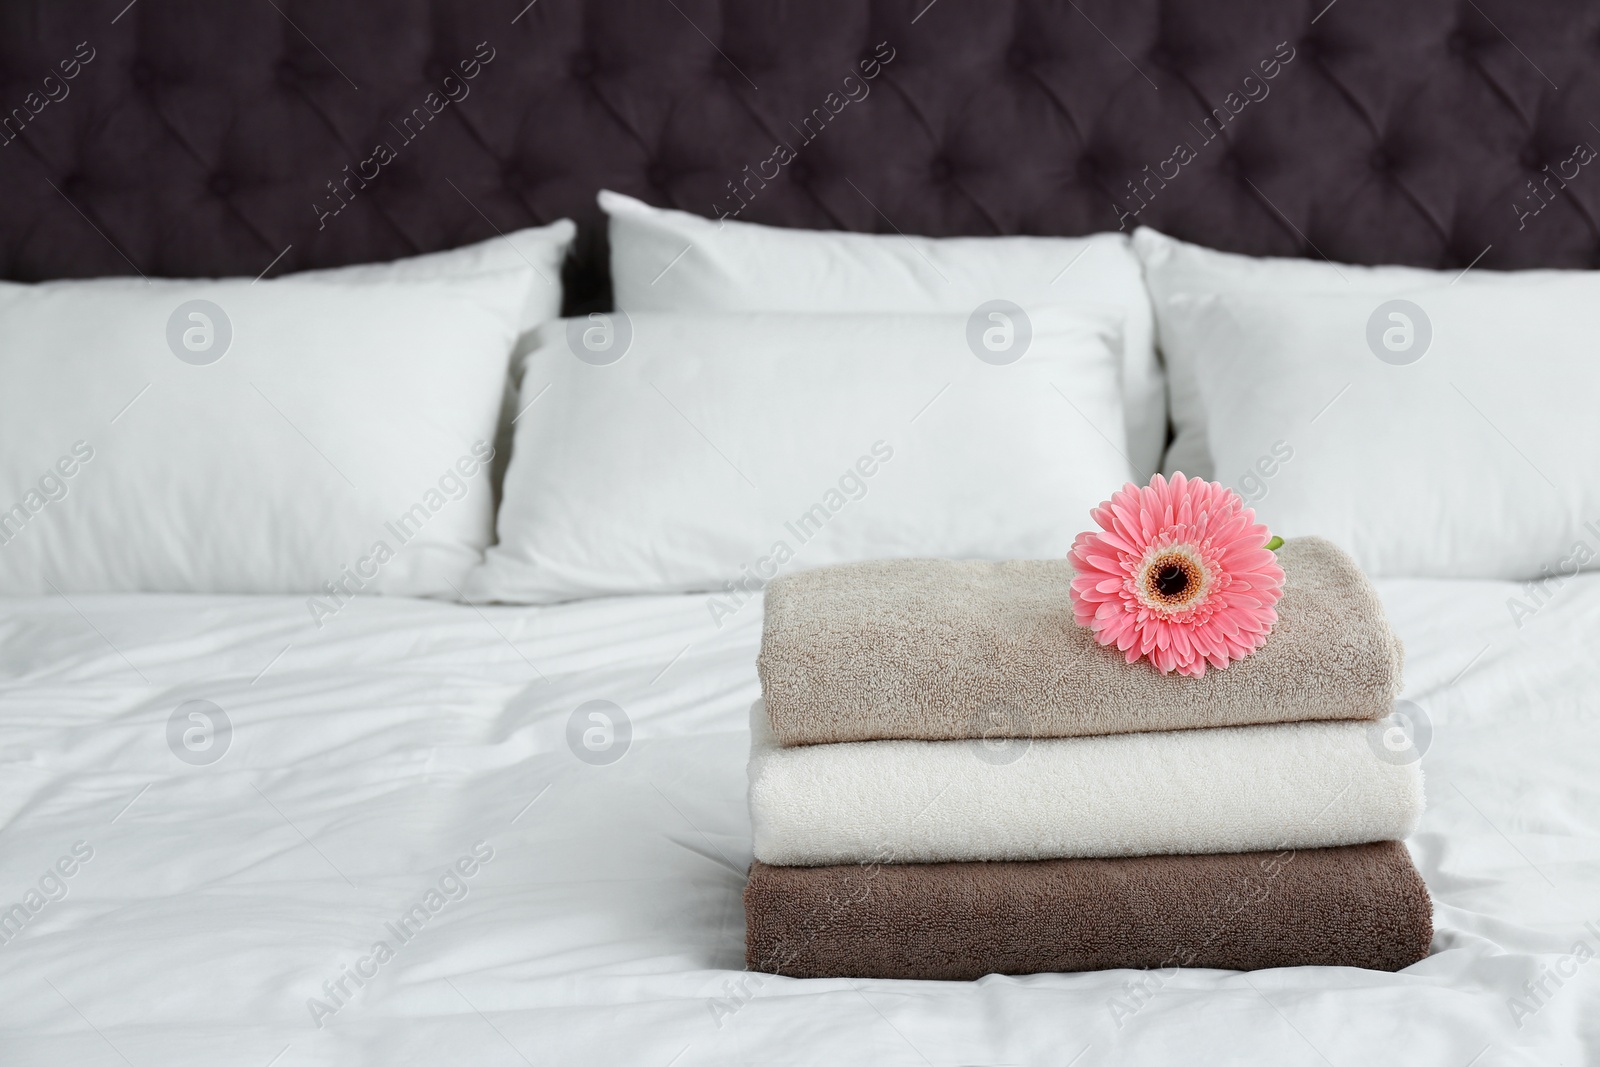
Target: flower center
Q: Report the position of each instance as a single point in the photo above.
(1172, 580)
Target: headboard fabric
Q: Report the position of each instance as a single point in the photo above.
(186, 137)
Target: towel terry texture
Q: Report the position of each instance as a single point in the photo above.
(1232, 789)
(943, 649)
(1357, 906)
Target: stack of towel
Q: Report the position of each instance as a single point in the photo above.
(949, 778)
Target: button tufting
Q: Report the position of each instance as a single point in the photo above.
(1015, 88)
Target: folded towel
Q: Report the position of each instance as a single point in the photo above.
(1359, 906)
(941, 649)
(1233, 789)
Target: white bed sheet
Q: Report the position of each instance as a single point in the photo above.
(372, 754)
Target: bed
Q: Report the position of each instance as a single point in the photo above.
(607, 927)
(214, 887)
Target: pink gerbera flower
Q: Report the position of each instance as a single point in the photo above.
(1178, 572)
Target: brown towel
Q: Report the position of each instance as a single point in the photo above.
(1354, 906)
(940, 650)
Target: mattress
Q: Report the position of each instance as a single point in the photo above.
(408, 776)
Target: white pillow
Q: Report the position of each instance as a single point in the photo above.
(720, 450)
(266, 439)
(1173, 268)
(673, 261)
(1445, 432)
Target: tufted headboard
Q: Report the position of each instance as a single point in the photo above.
(185, 137)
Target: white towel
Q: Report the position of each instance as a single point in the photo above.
(1235, 789)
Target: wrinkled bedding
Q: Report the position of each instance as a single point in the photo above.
(409, 776)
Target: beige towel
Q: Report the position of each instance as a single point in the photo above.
(941, 650)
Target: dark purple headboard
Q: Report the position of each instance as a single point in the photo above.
(200, 137)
